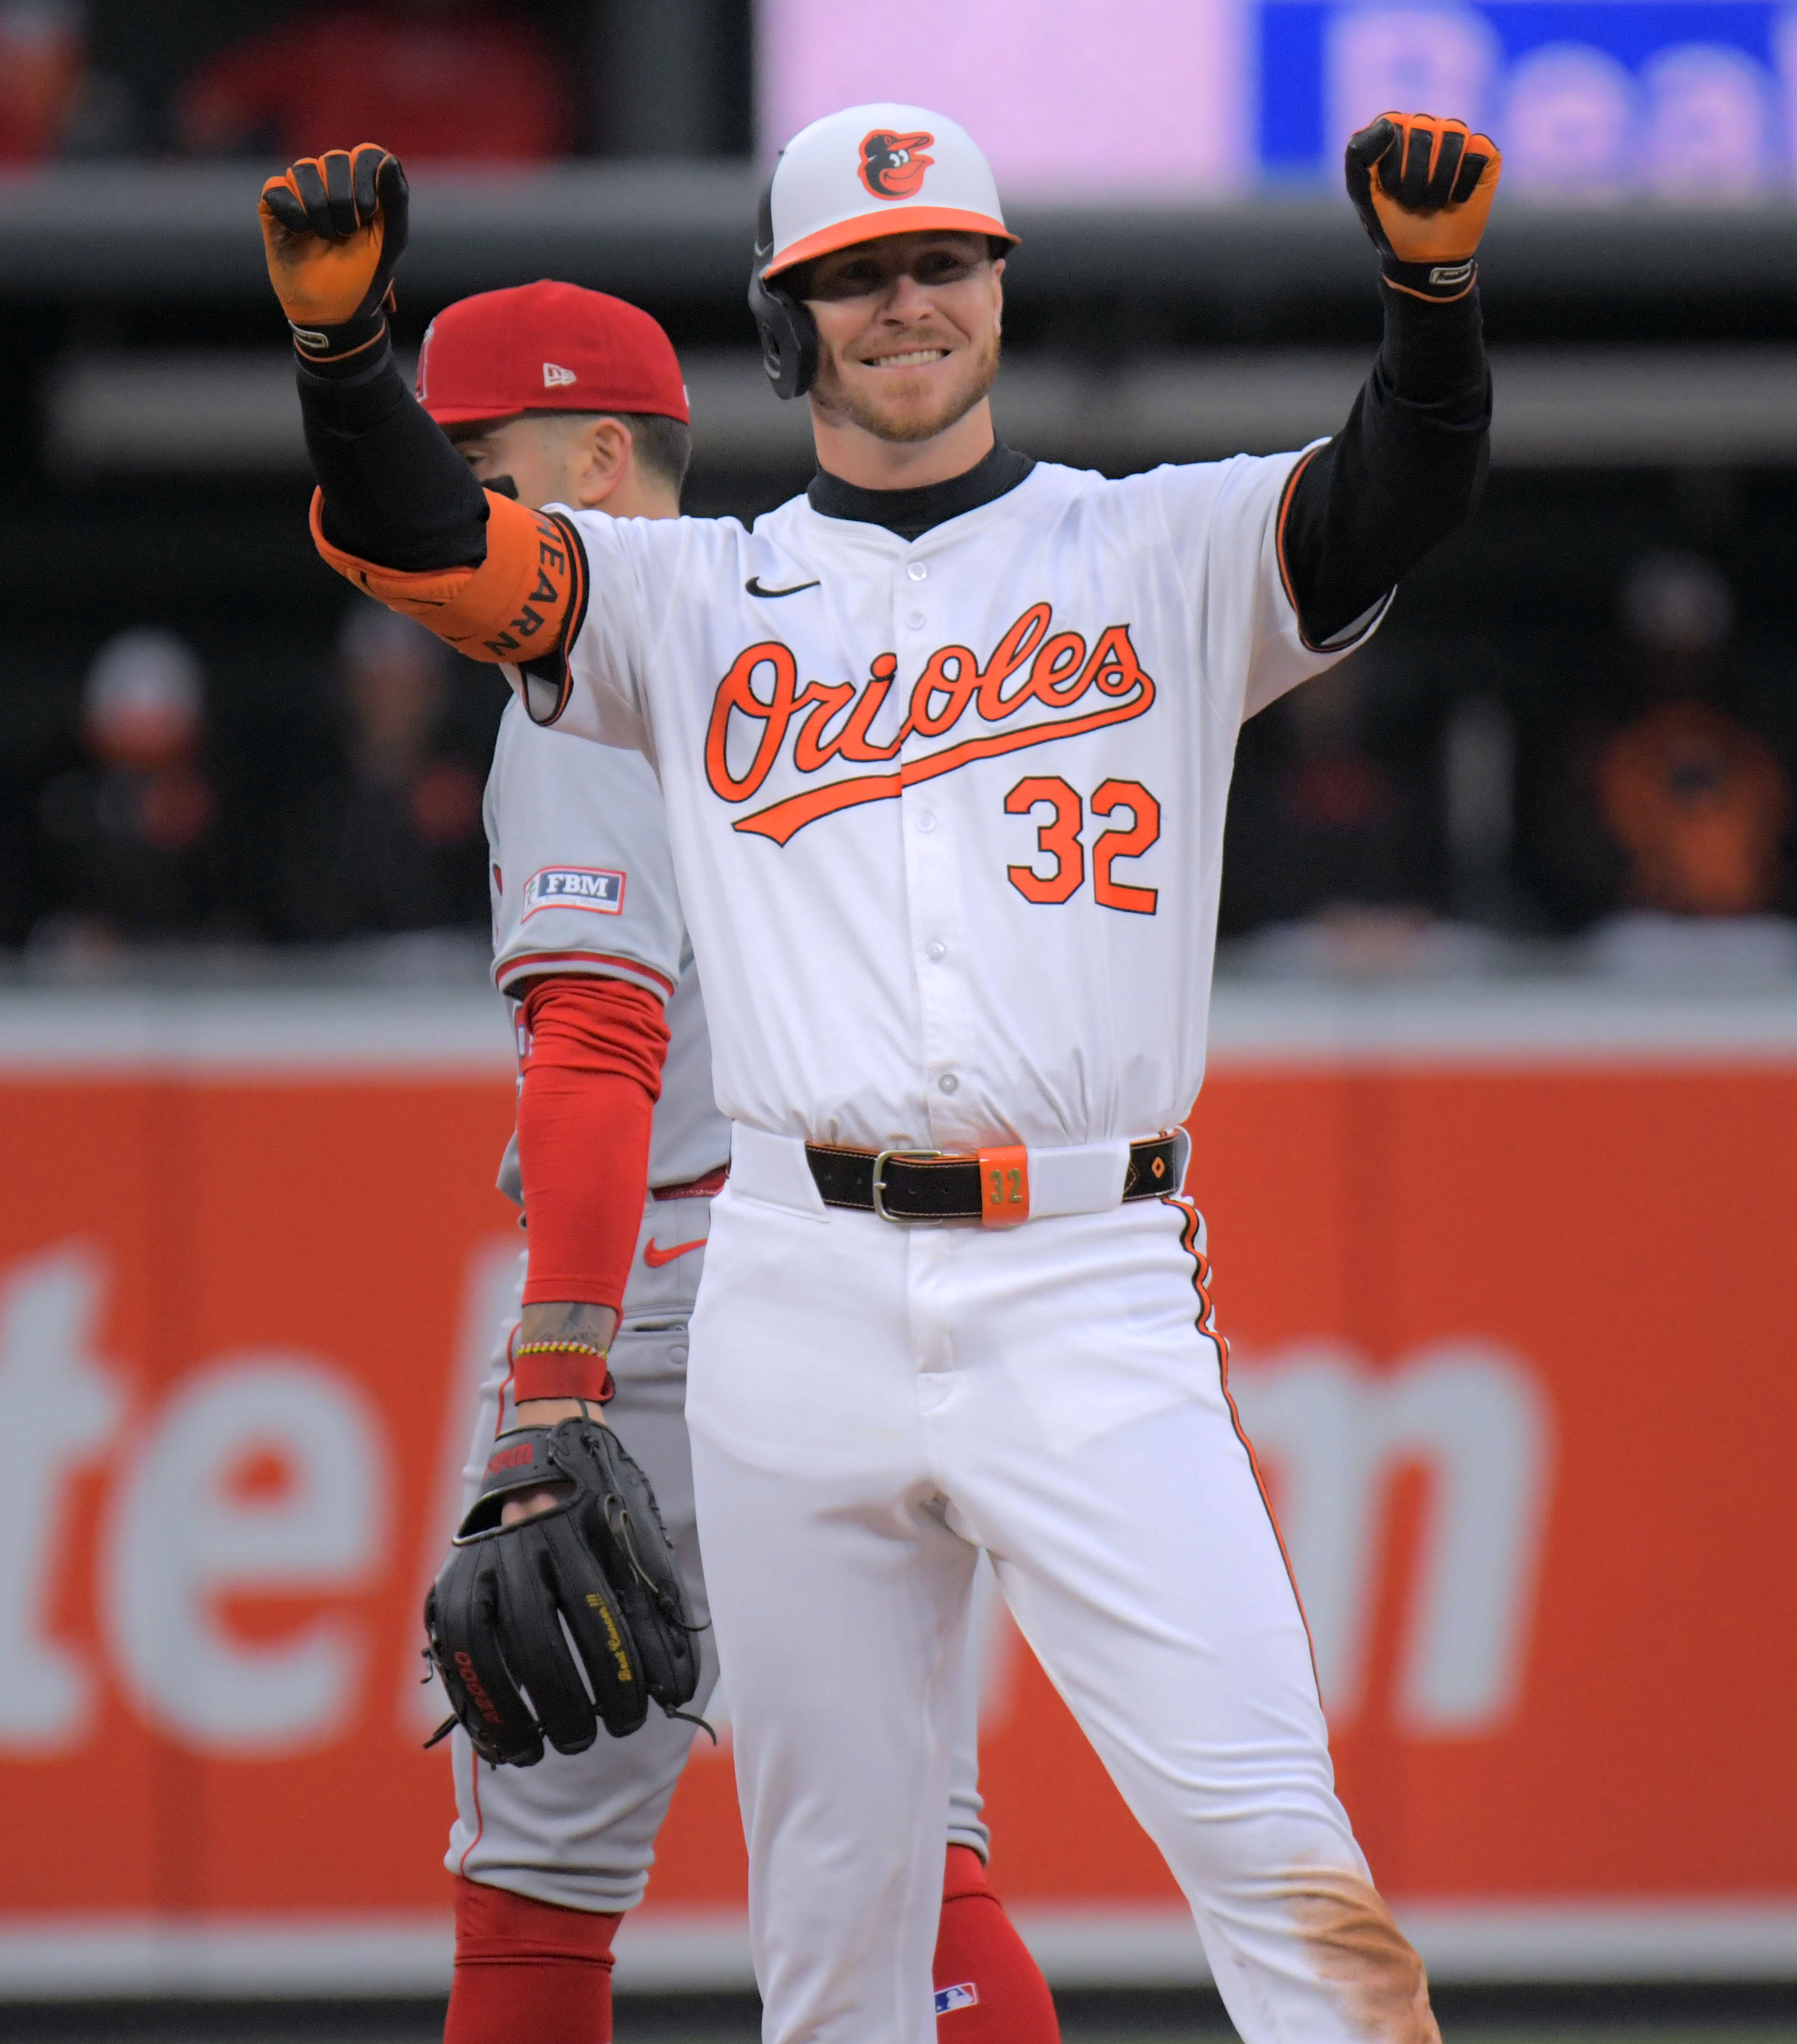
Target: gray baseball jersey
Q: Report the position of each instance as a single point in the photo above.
(583, 883)
(614, 915)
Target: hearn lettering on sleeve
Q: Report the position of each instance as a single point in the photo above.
(557, 591)
(1038, 686)
(574, 887)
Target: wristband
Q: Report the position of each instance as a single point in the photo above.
(1438, 283)
(339, 350)
(561, 1370)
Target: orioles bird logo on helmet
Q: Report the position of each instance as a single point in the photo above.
(892, 166)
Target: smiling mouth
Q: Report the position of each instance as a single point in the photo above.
(912, 358)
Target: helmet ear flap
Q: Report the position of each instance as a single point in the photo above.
(789, 334)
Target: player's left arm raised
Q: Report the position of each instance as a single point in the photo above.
(1423, 189)
(1406, 469)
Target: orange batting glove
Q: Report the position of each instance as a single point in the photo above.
(334, 229)
(1423, 189)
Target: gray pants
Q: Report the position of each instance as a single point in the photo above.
(579, 1829)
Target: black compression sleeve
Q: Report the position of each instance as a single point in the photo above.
(1403, 473)
(396, 492)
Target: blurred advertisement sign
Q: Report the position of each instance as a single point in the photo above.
(1589, 99)
(1082, 100)
(1164, 102)
(1502, 1278)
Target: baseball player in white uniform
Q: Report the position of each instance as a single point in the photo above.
(554, 393)
(945, 745)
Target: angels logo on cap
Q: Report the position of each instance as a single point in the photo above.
(892, 166)
(920, 171)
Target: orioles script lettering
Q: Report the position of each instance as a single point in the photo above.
(1038, 686)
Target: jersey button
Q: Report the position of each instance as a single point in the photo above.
(935, 952)
(917, 571)
(915, 620)
(926, 821)
(948, 1083)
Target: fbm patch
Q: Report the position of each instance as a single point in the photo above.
(574, 887)
(965, 1995)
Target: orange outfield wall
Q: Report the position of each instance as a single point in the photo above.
(1514, 1340)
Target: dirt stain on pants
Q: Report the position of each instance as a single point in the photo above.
(1363, 1954)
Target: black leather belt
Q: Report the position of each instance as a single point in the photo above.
(925, 1184)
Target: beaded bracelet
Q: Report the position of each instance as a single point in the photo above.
(581, 1371)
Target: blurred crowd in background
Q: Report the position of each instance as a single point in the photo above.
(476, 81)
(1654, 783)
(1645, 778)
(146, 819)
(1589, 735)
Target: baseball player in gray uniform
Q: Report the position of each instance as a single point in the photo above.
(560, 394)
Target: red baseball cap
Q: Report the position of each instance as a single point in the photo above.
(547, 347)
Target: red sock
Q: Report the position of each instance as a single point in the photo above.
(528, 1969)
(988, 1989)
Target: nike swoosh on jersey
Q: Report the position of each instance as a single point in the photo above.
(654, 1255)
(753, 586)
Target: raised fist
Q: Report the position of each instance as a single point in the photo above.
(1423, 189)
(334, 229)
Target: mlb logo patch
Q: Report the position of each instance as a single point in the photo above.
(574, 887)
(966, 1995)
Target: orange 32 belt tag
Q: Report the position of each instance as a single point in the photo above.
(1004, 1186)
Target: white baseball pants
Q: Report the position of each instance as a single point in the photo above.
(870, 1403)
(579, 1829)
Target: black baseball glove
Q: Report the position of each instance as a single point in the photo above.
(599, 1564)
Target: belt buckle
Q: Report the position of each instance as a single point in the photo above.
(881, 1158)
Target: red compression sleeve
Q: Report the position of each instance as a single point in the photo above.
(592, 1074)
(527, 1969)
(988, 1988)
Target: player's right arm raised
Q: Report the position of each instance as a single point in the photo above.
(400, 514)
(397, 512)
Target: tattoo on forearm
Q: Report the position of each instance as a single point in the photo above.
(568, 1321)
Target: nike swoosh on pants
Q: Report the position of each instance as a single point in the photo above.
(654, 1255)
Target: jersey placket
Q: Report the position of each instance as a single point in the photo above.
(936, 927)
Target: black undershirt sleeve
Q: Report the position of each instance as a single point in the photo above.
(1403, 473)
(396, 492)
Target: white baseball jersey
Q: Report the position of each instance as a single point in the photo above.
(948, 814)
(583, 883)
(947, 818)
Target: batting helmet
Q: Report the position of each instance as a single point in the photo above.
(858, 175)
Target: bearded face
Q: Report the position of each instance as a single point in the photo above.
(909, 332)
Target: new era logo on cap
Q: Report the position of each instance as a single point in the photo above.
(964, 1996)
(546, 347)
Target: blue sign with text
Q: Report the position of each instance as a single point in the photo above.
(1588, 99)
